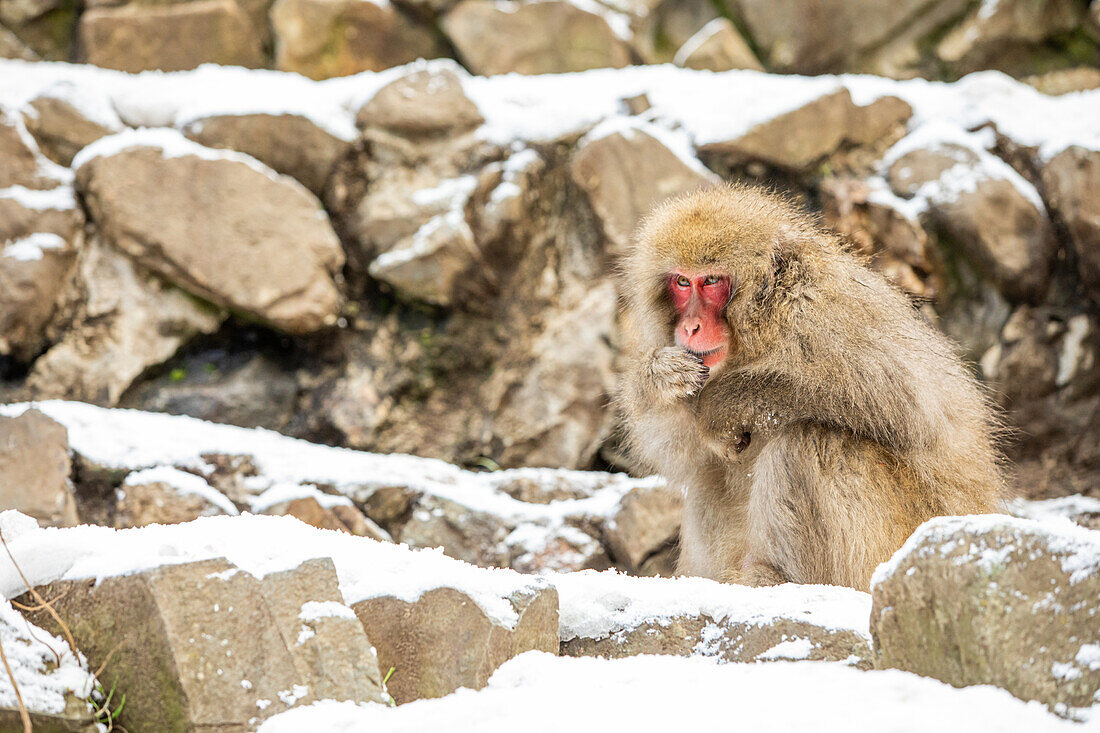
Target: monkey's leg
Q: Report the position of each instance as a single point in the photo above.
(714, 529)
(827, 507)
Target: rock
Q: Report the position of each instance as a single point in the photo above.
(444, 640)
(289, 144)
(1082, 510)
(46, 27)
(39, 235)
(560, 549)
(549, 396)
(614, 616)
(814, 37)
(994, 601)
(646, 522)
(1002, 29)
(626, 171)
(170, 37)
(883, 228)
(1065, 81)
(249, 390)
(717, 46)
(427, 101)
(20, 163)
(799, 138)
(325, 38)
(202, 645)
(12, 48)
(1071, 181)
(117, 322)
(61, 130)
(525, 37)
(223, 228)
(341, 516)
(165, 495)
(53, 683)
(34, 469)
(464, 533)
(428, 265)
(996, 216)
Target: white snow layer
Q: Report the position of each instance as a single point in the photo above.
(540, 693)
(595, 605)
(1077, 549)
(183, 483)
(33, 656)
(139, 440)
(258, 545)
(706, 106)
(31, 247)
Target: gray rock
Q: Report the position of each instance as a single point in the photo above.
(994, 601)
(1072, 183)
(220, 228)
(35, 468)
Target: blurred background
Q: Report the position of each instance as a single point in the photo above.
(432, 272)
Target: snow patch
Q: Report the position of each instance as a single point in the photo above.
(182, 482)
(32, 654)
(32, 247)
(61, 198)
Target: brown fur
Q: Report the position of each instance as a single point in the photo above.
(863, 421)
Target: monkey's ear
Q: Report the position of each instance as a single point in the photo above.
(786, 267)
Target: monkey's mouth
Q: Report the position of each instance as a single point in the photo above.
(711, 357)
(705, 354)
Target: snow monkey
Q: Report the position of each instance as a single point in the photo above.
(810, 415)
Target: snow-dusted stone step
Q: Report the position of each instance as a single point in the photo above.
(995, 600)
(612, 615)
(539, 693)
(183, 595)
(203, 645)
(218, 224)
(53, 682)
(528, 519)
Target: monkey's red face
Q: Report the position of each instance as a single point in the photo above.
(700, 299)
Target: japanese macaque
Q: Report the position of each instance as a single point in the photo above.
(810, 415)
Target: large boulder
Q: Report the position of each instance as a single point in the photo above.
(40, 232)
(34, 469)
(1072, 183)
(171, 36)
(611, 615)
(444, 640)
(288, 143)
(798, 139)
(545, 37)
(115, 321)
(205, 645)
(219, 225)
(977, 200)
(323, 38)
(994, 601)
(627, 169)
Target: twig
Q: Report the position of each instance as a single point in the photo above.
(23, 714)
(38, 597)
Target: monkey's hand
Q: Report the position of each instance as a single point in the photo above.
(674, 374)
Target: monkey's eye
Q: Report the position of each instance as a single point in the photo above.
(712, 280)
(682, 281)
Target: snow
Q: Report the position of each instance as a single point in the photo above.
(61, 198)
(182, 482)
(314, 610)
(258, 545)
(33, 655)
(280, 493)
(540, 693)
(1075, 548)
(792, 649)
(595, 605)
(676, 140)
(171, 144)
(130, 439)
(1057, 510)
(31, 247)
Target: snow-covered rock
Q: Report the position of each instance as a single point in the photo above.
(995, 600)
(612, 615)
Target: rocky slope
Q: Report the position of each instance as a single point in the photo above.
(420, 261)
